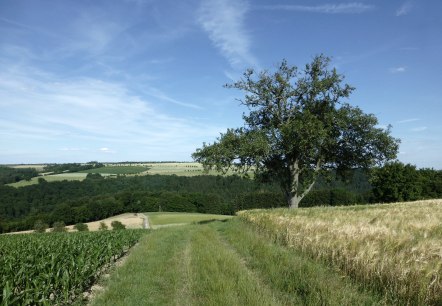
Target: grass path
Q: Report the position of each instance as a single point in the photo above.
(224, 263)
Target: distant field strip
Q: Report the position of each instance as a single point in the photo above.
(162, 219)
(76, 176)
(395, 249)
(117, 170)
(224, 263)
(179, 169)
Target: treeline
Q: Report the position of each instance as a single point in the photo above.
(72, 167)
(394, 182)
(96, 198)
(11, 175)
(397, 182)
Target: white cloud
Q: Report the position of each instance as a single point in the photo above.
(223, 20)
(398, 69)
(408, 120)
(419, 129)
(342, 8)
(404, 9)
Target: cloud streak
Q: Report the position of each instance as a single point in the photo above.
(223, 21)
(342, 8)
(408, 120)
(404, 9)
(419, 129)
(401, 69)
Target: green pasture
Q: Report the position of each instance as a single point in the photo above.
(161, 219)
(181, 169)
(117, 170)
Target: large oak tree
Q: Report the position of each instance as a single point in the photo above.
(297, 126)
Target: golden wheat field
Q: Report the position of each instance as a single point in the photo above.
(395, 249)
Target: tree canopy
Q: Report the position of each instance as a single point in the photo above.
(297, 125)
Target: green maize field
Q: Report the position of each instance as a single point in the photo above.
(56, 268)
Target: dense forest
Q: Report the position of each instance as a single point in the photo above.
(97, 197)
(11, 175)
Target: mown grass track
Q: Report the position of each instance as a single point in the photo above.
(225, 263)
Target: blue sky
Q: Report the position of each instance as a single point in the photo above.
(142, 80)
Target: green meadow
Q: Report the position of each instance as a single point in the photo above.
(163, 219)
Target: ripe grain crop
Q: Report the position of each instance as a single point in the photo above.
(394, 249)
(49, 269)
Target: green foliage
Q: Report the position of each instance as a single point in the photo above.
(59, 227)
(396, 182)
(117, 225)
(332, 197)
(298, 125)
(11, 175)
(54, 269)
(103, 226)
(94, 176)
(260, 200)
(72, 167)
(40, 226)
(81, 227)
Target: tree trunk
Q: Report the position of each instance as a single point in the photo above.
(294, 201)
(296, 195)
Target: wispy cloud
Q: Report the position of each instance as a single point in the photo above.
(155, 92)
(419, 129)
(400, 69)
(404, 9)
(342, 8)
(408, 120)
(223, 20)
(50, 113)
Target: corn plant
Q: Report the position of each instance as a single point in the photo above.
(48, 269)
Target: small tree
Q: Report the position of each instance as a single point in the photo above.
(117, 225)
(103, 226)
(40, 226)
(81, 227)
(396, 182)
(297, 126)
(59, 227)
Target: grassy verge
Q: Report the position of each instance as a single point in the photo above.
(170, 218)
(225, 263)
(294, 278)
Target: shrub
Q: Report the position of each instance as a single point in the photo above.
(81, 227)
(117, 225)
(103, 226)
(59, 227)
(40, 226)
